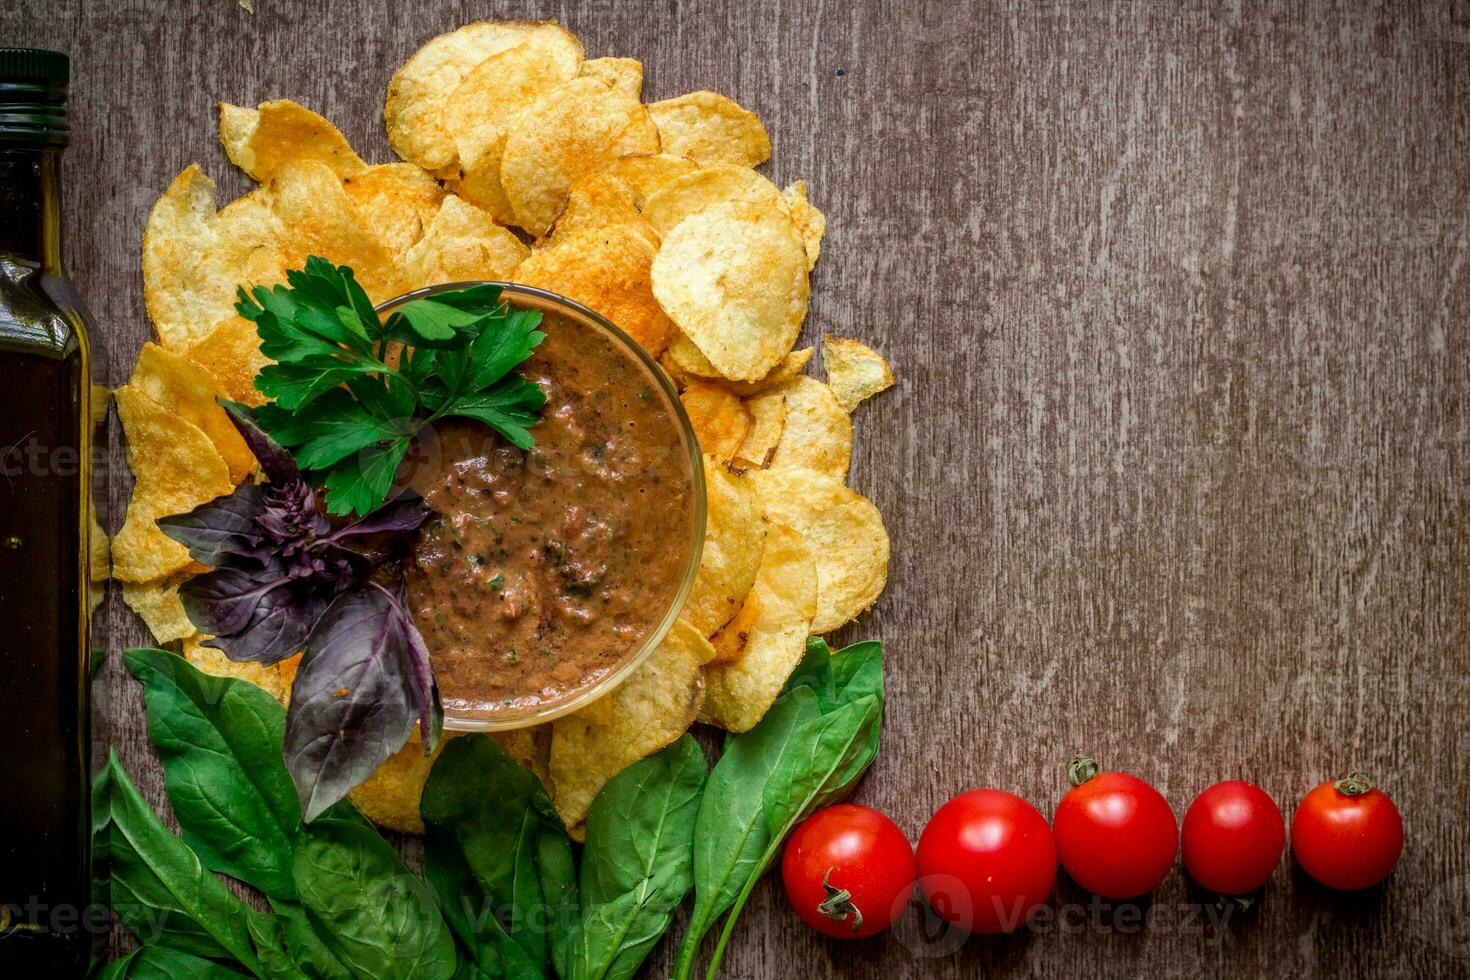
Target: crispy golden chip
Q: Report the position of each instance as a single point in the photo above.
(720, 183)
(607, 270)
(653, 707)
(181, 386)
(596, 201)
(757, 651)
(818, 433)
(185, 293)
(855, 371)
(720, 419)
(646, 173)
(390, 796)
(624, 74)
(462, 244)
(419, 90)
(733, 278)
(175, 468)
(99, 549)
(275, 680)
(577, 129)
(809, 221)
(262, 141)
(396, 200)
(844, 531)
(484, 108)
(767, 422)
(708, 128)
(734, 535)
(688, 359)
(159, 606)
(231, 355)
(318, 218)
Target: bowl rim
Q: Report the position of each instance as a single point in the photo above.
(545, 300)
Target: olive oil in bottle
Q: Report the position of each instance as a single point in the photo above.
(45, 450)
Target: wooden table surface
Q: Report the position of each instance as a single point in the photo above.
(1178, 469)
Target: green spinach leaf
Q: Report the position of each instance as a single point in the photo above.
(638, 863)
(808, 752)
(379, 918)
(162, 963)
(497, 815)
(290, 948)
(159, 888)
(219, 740)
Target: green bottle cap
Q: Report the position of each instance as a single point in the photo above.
(33, 86)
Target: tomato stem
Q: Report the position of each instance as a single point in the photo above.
(1081, 770)
(1354, 784)
(838, 903)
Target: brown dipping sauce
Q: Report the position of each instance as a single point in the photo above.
(542, 572)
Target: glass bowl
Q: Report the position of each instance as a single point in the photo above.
(527, 297)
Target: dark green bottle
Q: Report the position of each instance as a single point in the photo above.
(47, 924)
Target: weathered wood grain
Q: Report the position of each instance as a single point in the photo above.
(1177, 470)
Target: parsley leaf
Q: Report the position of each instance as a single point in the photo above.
(348, 409)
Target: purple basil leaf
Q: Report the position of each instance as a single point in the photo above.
(275, 462)
(425, 688)
(403, 513)
(224, 530)
(353, 699)
(253, 615)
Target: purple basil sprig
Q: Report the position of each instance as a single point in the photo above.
(284, 581)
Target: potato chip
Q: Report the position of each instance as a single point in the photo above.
(720, 419)
(576, 130)
(390, 796)
(708, 128)
(184, 297)
(646, 173)
(733, 539)
(486, 104)
(809, 221)
(652, 708)
(275, 680)
(231, 355)
(758, 650)
(623, 74)
(318, 218)
(767, 422)
(396, 200)
(689, 360)
(733, 278)
(854, 371)
(844, 531)
(262, 141)
(596, 201)
(175, 468)
(159, 606)
(426, 82)
(818, 433)
(720, 183)
(180, 386)
(607, 270)
(99, 548)
(462, 244)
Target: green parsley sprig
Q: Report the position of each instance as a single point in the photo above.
(347, 414)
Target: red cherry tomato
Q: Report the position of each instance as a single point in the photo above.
(1233, 837)
(1347, 834)
(987, 861)
(1115, 833)
(849, 871)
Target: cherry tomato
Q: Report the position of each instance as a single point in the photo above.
(1233, 837)
(1115, 833)
(849, 871)
(987, 861)
(1347, 834)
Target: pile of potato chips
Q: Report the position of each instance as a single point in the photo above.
(525, 161)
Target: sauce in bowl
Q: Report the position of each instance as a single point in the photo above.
(542, 575)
